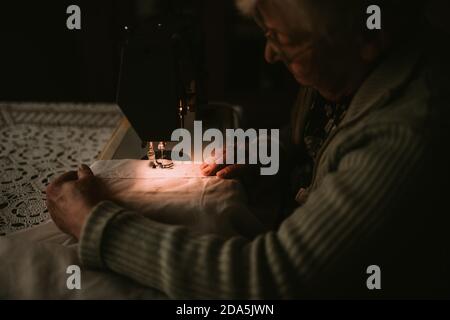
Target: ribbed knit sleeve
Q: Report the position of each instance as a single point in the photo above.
(348, 206)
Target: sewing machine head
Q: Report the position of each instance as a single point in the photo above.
(158, 84)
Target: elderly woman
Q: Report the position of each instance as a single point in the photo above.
(372, 120)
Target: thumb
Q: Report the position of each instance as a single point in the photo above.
(232, 171)
(84, 172)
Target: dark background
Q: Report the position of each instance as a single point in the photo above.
(41, 60)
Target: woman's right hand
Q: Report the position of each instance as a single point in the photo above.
(216, 167)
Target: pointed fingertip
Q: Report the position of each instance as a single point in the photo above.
(221, 174)
(84, 167)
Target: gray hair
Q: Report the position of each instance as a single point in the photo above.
(247, 7)
(335, 19)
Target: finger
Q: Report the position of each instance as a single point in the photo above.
(230, 172)
(84, 172)
(212, 169)
(51, 207)
(54, 214)
(204, 166)
(65, 177)
(207, 169)
(217, 164)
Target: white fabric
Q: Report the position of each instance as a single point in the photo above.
(34, 262)
(181, 195)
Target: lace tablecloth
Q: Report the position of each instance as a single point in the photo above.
(38, 141)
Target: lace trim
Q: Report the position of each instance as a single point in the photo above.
(39, 141)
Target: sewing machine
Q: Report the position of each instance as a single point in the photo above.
(158, 84)
(160, 89)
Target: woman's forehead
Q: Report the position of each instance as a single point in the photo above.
(272, 21)
(275, 18)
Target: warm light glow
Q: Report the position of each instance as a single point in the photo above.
(140, 169)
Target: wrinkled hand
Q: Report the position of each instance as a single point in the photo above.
(216, 166)
(71, 198)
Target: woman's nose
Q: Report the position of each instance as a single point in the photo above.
(270, 53)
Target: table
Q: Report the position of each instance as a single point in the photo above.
(39, 141)
(124, 143)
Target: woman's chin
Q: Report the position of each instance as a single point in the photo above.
(302, 81)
